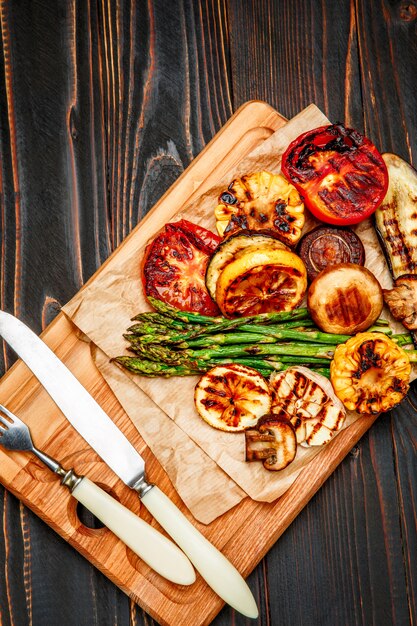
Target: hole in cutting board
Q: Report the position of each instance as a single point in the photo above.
(87, 519)
(90, 523)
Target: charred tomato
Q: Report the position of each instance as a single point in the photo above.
(338, 171)
(174, 267)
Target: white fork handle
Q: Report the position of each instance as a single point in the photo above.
(213, 566)
(149, 544)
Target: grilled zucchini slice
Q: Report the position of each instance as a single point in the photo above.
(233, 247)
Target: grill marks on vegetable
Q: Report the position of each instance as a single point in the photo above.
(309, 402)
(326, 246)
(261, 200)
(401, 245)
(346, 306)
(339, 172)
(232, 397)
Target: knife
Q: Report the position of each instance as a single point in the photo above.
(101, 433)
(153, 547)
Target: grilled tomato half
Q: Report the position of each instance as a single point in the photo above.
(339, 172)
(174, 267)
(370, 373)
(261, 282)
(261, 201)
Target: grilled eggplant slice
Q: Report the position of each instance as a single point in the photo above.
(309, 401)
(370, 373)
(232, 248)
(232, 397)
(273, 442)
(402, 300)
(261, 200)
(345, 299)
(396, 217)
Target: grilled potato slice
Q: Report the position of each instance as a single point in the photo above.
(261, 200)
(232, 397)
(309, 402)
(370, 373)
(273, 442)
(234, 247)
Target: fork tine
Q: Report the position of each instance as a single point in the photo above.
(4, 422)
(10, 415)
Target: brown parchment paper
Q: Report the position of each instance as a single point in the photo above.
(103, 311)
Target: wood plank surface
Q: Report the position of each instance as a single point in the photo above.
(102, 106)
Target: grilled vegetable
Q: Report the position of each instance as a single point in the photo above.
(273, 442)
(261, 201)
(326, 246)
(345, 299)
(339, 172)
(308, 400)
(396, 217)
(370, 373)
(232, 397)
(402, 300)
(174, 267)
(234, 247)
(261, 282)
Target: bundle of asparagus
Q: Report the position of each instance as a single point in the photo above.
(169, 342)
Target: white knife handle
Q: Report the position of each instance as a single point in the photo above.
(152, 547)
(213, 566)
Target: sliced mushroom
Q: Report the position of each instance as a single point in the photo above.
(273, 442)
(402, 300)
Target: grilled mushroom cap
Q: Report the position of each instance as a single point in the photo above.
(273, 442)
(345, 299)
(402, 300)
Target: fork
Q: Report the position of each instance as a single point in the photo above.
(148, 543)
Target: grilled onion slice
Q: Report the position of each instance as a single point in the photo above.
(309, 402)
(232, 397)
(345, 299)
(273, 442)
(370, 373)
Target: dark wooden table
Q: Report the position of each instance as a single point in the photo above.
(102, 105)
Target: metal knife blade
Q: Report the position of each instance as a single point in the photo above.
(96, 427)
(80, 408)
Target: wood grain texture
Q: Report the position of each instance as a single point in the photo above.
(102, 106)
(350, 58)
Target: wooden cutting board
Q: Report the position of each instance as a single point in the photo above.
(235, 533)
